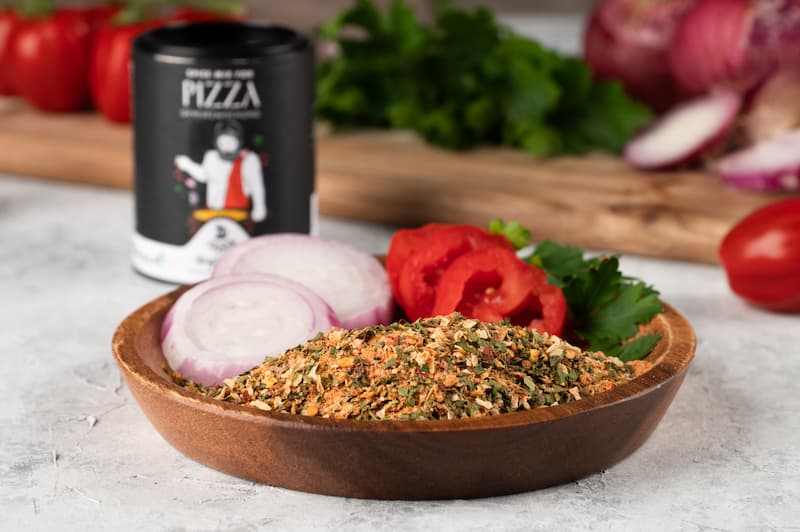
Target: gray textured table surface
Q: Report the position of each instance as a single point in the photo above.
(76, 452)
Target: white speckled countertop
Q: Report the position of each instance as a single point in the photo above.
(77, 453)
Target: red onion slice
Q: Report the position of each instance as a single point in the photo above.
(770, 165)
(352, 282)
(686, 133)
(227, 325)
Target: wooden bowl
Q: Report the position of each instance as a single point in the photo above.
(443, 459)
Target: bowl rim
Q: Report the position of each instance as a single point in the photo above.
(670, 358)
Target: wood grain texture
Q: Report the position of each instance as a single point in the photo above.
(596, 202)
(76, 147)
(443, 459)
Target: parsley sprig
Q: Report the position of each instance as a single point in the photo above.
(465, 80)
(606, 306)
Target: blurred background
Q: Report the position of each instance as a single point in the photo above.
(309, 12)
(652, 105)
(555, 22)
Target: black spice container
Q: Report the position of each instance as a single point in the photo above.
(223, 138)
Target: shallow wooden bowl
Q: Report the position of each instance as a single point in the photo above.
(444, 459)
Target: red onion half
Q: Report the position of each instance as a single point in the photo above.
(734, 43)
(629, 40)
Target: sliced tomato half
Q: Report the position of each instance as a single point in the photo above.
(492, 284)
(433, 251)
(404, 243)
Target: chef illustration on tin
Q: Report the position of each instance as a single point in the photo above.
(233, 175)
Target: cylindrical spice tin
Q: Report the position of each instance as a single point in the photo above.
(223, 139)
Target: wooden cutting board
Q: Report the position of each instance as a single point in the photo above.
(596, 202)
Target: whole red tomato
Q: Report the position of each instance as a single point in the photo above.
(100, 16)
(109, 77)
(110, 69)
(49, 60)
(761, 256)
(8, 24)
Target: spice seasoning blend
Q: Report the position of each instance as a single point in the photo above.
(444, 367)
(223, 116)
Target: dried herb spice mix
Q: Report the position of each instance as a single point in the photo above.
(444, 367)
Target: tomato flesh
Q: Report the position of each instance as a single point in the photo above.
(761, 257)
(492, 284)
(420, 275)
(440, 269)
(404, 243)
(418, 257)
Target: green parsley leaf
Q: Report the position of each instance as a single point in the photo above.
(636, 349)
(606, 117)
(561, 263)
(617, 318)
(519, 236)
(593, 289)
(607, 307)
(465, 80)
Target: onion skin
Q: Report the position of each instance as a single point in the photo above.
(734, 43)
(166, 325)
(708, 47)
(629, 40)
(774, 37)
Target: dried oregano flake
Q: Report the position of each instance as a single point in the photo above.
(445, 367)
